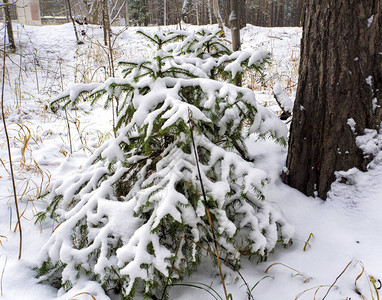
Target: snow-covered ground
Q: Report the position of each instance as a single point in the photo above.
(337, 242)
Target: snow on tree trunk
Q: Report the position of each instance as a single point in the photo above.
(339, 92)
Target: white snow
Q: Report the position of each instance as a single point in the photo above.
(283, 98)
(369, 80)
(374, 102)
(351, 123)
(370, 21)
(345, 229)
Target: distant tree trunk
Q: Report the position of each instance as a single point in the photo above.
(249, 12)
(197, 5)
(165, 12)
(234, 24)
(66, 11)
(280, 13)
(8, 21)
(150, 7)
(186, 8)
(116, 11)
(209, 12)
(73, 22)
(93, 14)
(270, 14)
(340, 84)
(297, 12)
(256, 16)
(215, 6)
(235, 32)
(242, 13)
(105, 21)
(127, 19)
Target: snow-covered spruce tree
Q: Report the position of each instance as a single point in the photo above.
(134, 216)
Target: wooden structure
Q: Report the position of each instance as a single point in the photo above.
(28, 12)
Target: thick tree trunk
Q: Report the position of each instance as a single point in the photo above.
(340, 83)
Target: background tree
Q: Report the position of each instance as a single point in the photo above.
(8, 21)
(73, 22)
(217, 13)
(256, 12)
(339, 92)
(234, 24)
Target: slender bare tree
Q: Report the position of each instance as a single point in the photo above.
(234, 24)
(8, 22)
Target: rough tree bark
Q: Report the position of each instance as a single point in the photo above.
(340, 80)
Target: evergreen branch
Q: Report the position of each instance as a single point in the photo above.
(147, 36)
(177, 70)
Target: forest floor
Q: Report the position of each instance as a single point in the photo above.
(337, 243)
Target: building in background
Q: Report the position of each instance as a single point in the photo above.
(28, 12)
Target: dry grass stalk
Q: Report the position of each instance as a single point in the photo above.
(2, 274)
(9, 151)
(83, 293)
(343, 271)
(317, 288)
(371, 281)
